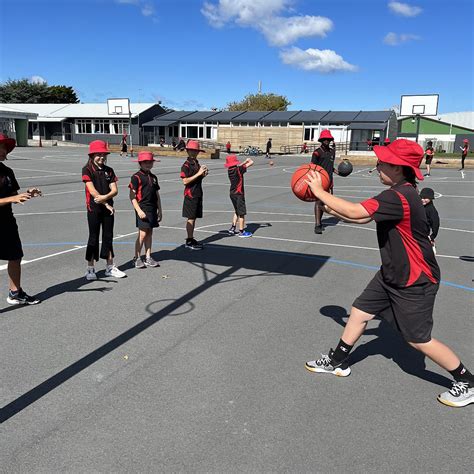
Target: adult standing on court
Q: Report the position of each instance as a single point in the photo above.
(325, 157)
(429, 154)
(465, 151)
(101, 187)
(404, 290)
(269, 147)
(123, 145)
(10, 243)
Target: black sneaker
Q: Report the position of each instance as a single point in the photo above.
(21, 298)
(318, 229)
(193, 244)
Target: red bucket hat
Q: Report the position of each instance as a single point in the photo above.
(10, 143)
(325, 135)
(231, 160)
(387, 140)
(193, 145)
(465, 140)
(98, 146)
(145, 156)
(402, 152)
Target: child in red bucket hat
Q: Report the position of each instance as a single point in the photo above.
(145, 197)
(236, 172)
(101, 187)
(465, 151)
(10, 243)
(324, 156)
(192, 174)
(404, 289)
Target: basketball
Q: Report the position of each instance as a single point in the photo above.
(298, 181)
(345, 168)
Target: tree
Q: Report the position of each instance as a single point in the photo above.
(23, 91)
(257, 102)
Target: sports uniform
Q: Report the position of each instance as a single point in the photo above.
(145, 185)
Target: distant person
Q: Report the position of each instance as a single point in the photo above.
(427, 197)
(325, 157)
(269, 147)
(236, 171)
(145, 198)
(369, 144)
(123, 145)
(465, 151)
(429, 154)
(228, 147)
(181, 145)
(162, 141)
(101, 187)
(173, 143)
(10, 243)
(192, 174)
(386, 142)
(304, 148)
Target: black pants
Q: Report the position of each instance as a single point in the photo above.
(96, 219)
(463, 157)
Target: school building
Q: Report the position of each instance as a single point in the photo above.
(83, 123)
(287, 129)
(14, 123)
(445, 135)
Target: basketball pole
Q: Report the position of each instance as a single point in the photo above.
(417, 127)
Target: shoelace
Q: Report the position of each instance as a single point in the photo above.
(459, 388)
(325, 360)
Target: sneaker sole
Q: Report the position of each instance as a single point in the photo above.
(114, 276)
(338, 372)
(465, 403)
(152, 266)
(22, 303)
(192, 248)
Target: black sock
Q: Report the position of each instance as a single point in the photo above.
(15, 293)
(342, 351)
(461, 374)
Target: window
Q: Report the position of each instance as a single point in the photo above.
(201, 132)
(84, 126)
(307, 134)
(119, 126)
(252, 124)
(101, 126)
(7, 126)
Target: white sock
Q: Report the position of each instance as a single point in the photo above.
(89, 268)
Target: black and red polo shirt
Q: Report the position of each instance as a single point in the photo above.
(146, 187)
(101, 178)
(236, 178)
(465, 149)
(325, 158)
(194, 189)
(8, 187)
(402, 233)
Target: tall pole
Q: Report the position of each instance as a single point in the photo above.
(417, 127)
(130, 127)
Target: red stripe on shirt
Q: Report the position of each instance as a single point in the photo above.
(86, 178)
(417, 262)
(371, 205)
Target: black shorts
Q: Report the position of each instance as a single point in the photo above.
(428, 159)
(238, 200)
(150, 221)
(409, 310)
(124, 148)
(10, 243)
(192, 208)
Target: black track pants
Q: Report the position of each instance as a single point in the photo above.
(96, 219)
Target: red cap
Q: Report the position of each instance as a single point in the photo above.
(402, 152)
(145, 156)
(465, 140)
(231, 160)
(193, 145)
(10, 143)
(325, 135)
(98, 146)
(387, 140)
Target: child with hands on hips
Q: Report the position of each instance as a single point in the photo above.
(145, 198)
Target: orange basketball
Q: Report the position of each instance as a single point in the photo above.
(298, 181)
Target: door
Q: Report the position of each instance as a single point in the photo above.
(67, 131)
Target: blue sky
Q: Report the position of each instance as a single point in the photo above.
(193, 54)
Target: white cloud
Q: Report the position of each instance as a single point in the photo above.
(404, 9)
(324, 61)
(146, 7)
(265, 16)
(37, 80)
(394, 39)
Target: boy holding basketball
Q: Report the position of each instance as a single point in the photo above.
(325, 157)
(403, 291)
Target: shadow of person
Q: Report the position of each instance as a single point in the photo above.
(330, 221)
(390, 344)
(466, 258)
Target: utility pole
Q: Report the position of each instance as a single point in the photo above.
(259, 87)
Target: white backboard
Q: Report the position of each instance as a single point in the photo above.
(425, 104)
(118, 107)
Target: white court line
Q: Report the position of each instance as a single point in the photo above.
(76, 247)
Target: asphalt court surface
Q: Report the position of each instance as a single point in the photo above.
(198, 365)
